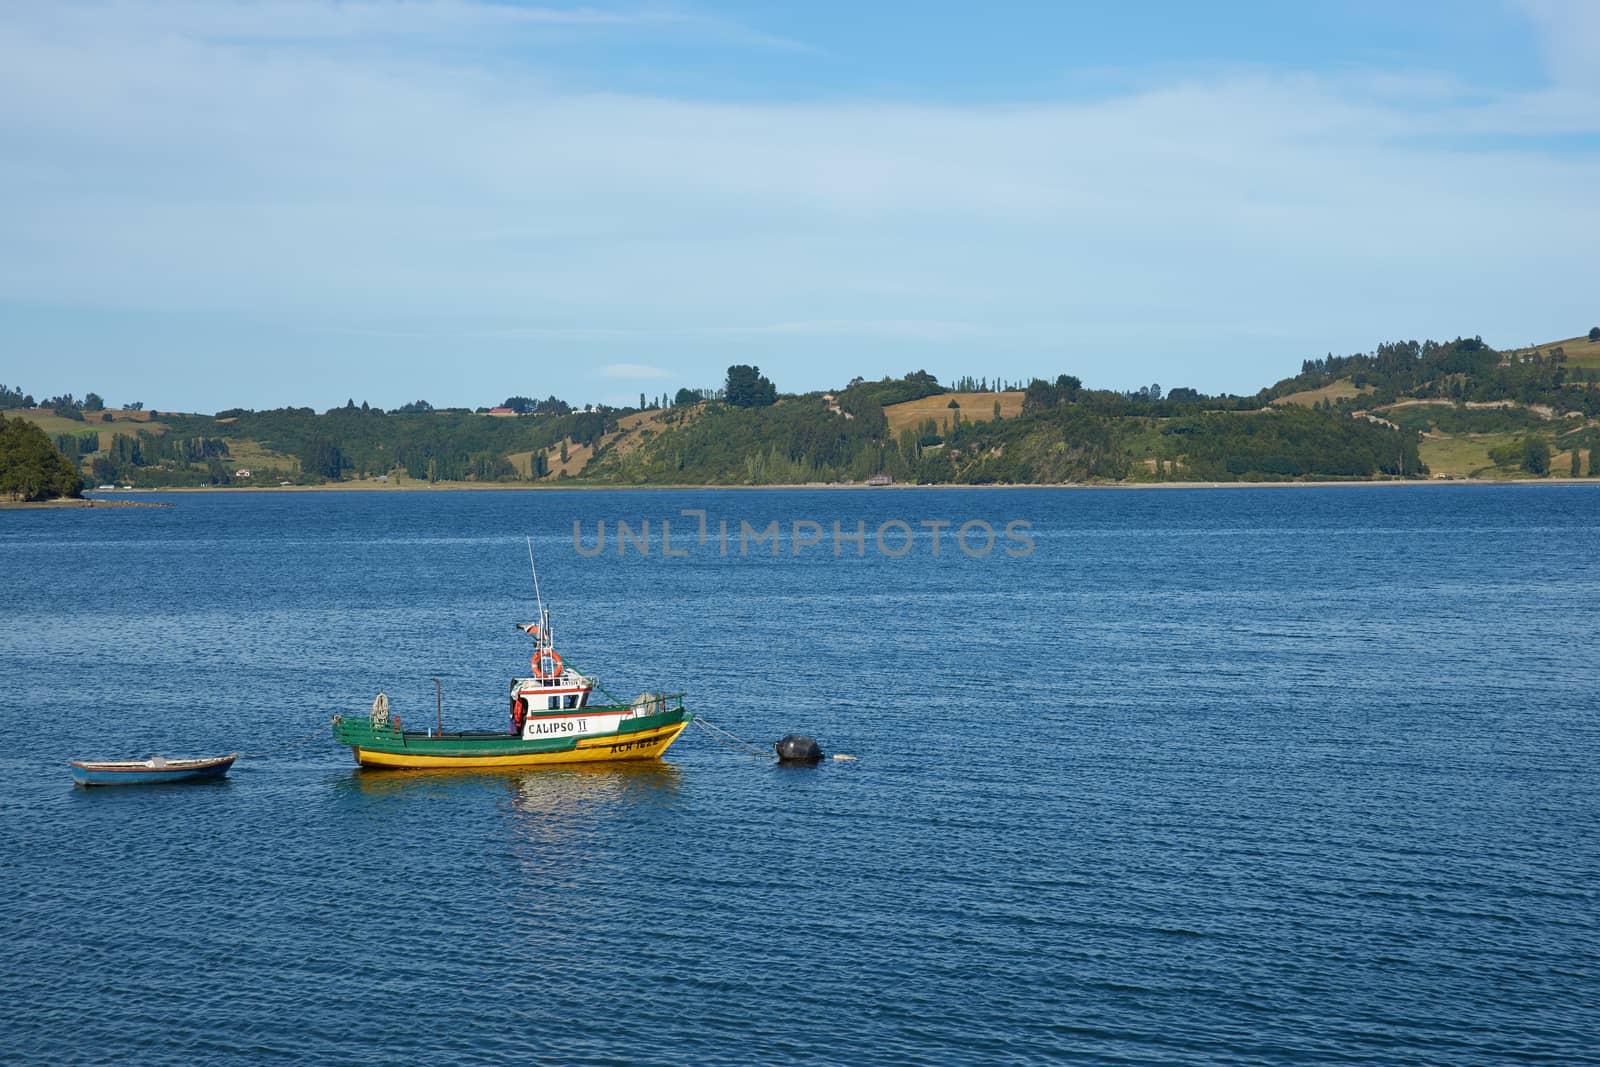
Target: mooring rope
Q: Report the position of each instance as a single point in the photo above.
(296, 743)
(729, 738)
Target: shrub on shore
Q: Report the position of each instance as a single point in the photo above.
(30, 466)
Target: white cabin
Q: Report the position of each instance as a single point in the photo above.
(567, 691)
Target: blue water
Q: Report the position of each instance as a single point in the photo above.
(1244, 776)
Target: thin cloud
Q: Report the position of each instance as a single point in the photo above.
(906, 329)
(916, 329)
(286, 23)
(1210, 231)
(1570, 32)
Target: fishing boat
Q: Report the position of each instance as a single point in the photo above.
(553, 720)
(150, 771)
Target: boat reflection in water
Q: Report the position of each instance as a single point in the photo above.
(563, 821)
(591, 786)
(589, 789)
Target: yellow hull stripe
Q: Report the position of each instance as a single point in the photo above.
(649, 744)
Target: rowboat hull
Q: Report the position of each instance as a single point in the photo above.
(149, 772)
(641, 737)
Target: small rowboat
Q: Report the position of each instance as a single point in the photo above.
(150, 771)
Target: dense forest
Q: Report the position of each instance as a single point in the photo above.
(300, 446)
(1353, 417)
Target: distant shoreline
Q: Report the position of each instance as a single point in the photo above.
(480, 487)
(85, 502)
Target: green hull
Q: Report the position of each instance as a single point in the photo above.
(639, 737)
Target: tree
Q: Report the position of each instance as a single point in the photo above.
(1041, 395)
(954, 404)
(522, 405)
(1576, 461)
(321, 457)
(416, 407)
(1536, 456)
(92, 402)
(31, 468)
(65, 406)
(685, 397)
(1594, 333)
(14, 398)
(746, 388)
(996, 409)
(133, 405)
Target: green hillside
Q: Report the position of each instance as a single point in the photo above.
(1407, 409)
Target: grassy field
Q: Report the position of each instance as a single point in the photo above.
(243, 452)
(1467, 456)
(520, 461)
(631, 433)
(577, 458)
(122, 422)
(1332, 392)
(1580, 350)
(1561, 463)
(975, 407)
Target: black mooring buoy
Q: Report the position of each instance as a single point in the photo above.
(798, 748)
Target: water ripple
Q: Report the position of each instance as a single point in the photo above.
(1233, 778)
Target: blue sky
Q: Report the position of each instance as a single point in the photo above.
(211, 204)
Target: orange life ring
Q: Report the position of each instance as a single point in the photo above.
(555, 659)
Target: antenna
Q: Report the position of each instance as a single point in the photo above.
(538, 600)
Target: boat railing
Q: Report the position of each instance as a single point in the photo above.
(563, 681)
(654, 703)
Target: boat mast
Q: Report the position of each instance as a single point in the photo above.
(544, 642)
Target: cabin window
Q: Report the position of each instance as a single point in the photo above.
(572, 701)
(554, 704)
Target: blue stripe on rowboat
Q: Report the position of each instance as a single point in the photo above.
(150, 771)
